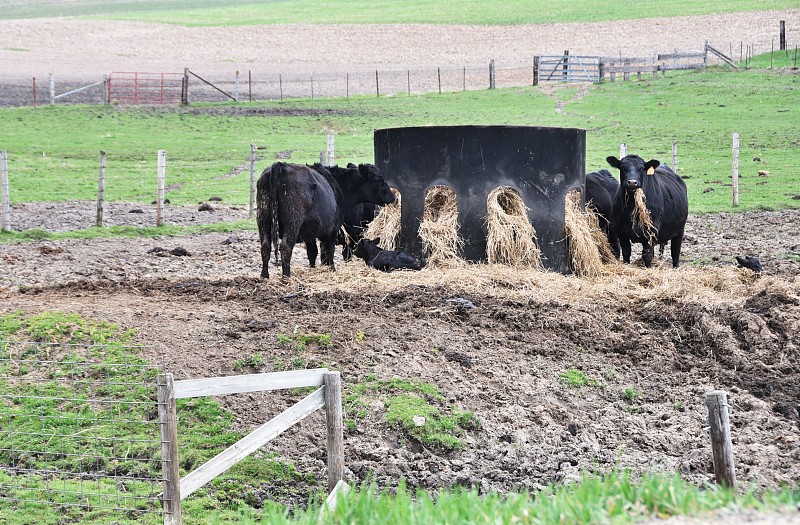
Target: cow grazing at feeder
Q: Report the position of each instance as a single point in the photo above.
(667, 204)
(601, 190)
(299, 202)
(384, 260)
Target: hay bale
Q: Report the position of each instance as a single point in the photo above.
(438, 229)
(386, 224)
(581, 236)
(511, 237)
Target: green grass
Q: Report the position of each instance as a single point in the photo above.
(574, 378)
(614, 498)
(51, 419)
(53, 151)
(479, 12)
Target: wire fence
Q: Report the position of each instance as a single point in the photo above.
(79, 432)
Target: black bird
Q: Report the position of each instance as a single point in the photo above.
(750, 262)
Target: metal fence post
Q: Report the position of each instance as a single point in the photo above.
(333, 418)
(171, 497)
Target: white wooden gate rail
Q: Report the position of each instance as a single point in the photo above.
(329, 395)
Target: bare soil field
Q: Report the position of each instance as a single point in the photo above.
(79, 52)
(655, 341)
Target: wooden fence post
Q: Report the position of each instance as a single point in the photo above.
(252, 179)
(439, 76)
(168, 424)
(280, 85)
(6, 200)
(721, 446)
(535, 71)
(236, 87)
(331, 156)
(160, 194)
(333, 418)
(623, 150)
(101, 191)
(347, 85)
(377, 85)
(52, 89)
(491, 74)
(674, 156)
(735, 169)
(250, 85)
(408, 74)
(464, 80)
(106, 98)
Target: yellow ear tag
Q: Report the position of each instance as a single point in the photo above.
(651, 170)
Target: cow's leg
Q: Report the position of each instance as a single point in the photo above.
(327, 247)
(613, 240)
(311, 251)
(675, 248)
(266, 246)
(625, 245)
(287, 243)
(647, 254)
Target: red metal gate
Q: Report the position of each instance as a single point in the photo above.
(146, 88)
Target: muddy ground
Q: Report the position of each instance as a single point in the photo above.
(718, 328)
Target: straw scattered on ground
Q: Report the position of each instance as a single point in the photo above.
(511, 238)
(441, 241)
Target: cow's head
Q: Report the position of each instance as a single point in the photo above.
(632, 170)
(373, 187)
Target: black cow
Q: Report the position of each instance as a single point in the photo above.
(665, 198)
(601, 190)
(297, 202)
(385, 260)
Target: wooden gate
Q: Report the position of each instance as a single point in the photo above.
(147, 88)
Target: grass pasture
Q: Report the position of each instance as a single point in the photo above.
(53, 151)
(471, 12)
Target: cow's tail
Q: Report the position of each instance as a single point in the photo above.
(277, 170)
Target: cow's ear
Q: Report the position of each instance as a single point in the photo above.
(650, 166)
(613, 162)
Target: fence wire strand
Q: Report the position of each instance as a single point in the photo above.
(78, 429)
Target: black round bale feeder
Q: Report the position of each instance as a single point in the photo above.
(543, 164)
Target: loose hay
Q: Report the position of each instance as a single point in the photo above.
(640, 216)
(583, 231)
(441, 242)
(599, 236)
(386, 224)
(511, 237)
(618, 284)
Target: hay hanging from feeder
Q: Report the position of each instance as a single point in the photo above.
(598, 235)
(583, 251)
(438, 229)
(386, 224)
(511, 237)
(640, 216)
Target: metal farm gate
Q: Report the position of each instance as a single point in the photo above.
(147, 88)
(568, 68)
